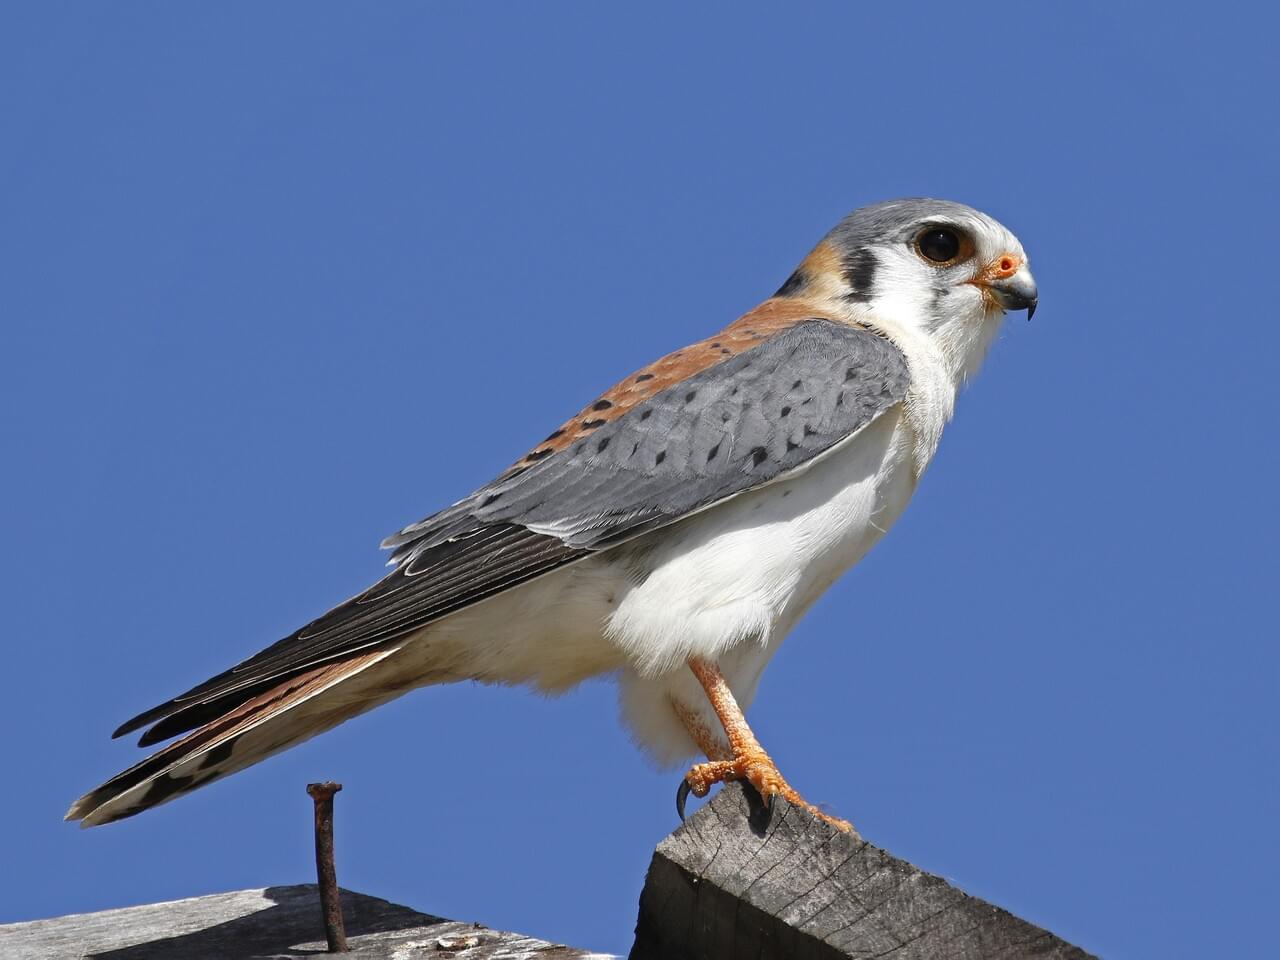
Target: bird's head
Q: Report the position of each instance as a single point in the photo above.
(921, 266)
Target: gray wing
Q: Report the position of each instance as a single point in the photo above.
(729, 428)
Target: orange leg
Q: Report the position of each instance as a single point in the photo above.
(712, 747)
(746, 759)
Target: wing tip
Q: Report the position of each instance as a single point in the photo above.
(94, 817)
(82, 810)
(155, 735)
(210, 752)
(141, 720)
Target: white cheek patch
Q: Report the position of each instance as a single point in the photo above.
(944, 324)
(905, 287)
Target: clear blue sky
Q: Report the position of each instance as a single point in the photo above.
(254, 257)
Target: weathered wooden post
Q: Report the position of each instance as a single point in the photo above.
(737, 881)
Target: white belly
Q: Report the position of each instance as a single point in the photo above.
(726, 584)
(736, 572)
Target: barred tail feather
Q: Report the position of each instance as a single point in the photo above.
(289, 713)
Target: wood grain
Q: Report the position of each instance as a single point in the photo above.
(737, 882)
(282, 923)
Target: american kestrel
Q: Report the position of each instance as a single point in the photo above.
(672, 532)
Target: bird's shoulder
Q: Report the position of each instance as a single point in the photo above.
(771, 319)
(775, 388)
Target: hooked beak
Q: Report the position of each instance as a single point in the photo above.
(1016, 292)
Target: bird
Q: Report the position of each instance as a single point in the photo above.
(671, 533)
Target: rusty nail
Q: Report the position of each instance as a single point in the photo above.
(326, 874)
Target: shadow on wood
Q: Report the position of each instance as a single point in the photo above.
(279, 922)
(735, 881)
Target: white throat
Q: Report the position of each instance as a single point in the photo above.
(941, 357)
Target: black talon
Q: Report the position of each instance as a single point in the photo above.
(682, 794)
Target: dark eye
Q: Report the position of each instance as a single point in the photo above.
(939, 244)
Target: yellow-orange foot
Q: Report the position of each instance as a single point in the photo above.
(759, 770)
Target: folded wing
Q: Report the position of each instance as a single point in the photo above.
(729, 427)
